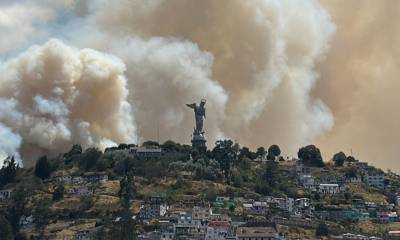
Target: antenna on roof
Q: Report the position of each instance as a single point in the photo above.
(137, 138)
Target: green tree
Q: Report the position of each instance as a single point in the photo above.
(6, 232)
(89, 158)
(43, 168)
(73, 154)
(260, 152)
(339, 159)
(42, 216)
(180, 183)
(271, 172)
(150, 144)
(262, 187)
(126, 194)
(322, 230)
(210, 195)
(86, 203)
(273, 152)
(8, 171)
(311, 155)
(246, 153)
(225, 152)
(76, 149)
(58, 192)
(123, 146)
(351, 172)
(236, 178)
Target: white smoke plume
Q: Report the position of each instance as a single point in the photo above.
(54, 95)
(254, 62)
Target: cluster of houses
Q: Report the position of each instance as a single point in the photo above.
(359, 211)
(86, 179)
(82, 185)
(197, 219)
(202, 223)
(327, 184)
(351, 236)
(289, 205)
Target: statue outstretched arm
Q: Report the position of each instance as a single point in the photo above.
(193, 105)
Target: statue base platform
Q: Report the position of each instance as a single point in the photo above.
(199, 142)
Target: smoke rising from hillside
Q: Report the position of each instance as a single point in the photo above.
(272, 71)
(252, 61)
(264, 56)
(54, 95)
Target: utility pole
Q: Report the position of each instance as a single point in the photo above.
(158, 125)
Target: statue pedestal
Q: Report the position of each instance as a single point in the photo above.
(199, 142)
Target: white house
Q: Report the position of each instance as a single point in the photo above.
(153, 210)
(329, 188)
(308, 182)
(303, 203)
(260, 208)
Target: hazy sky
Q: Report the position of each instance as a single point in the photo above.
(292, 73)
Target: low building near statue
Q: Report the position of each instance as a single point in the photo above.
(147, 152)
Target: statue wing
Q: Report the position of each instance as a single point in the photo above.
(193, 105)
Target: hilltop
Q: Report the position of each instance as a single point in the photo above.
(129, 192)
